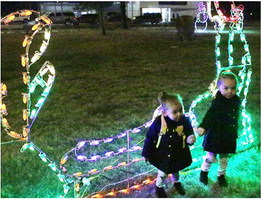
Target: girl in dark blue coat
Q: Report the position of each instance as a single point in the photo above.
(166, 143)
(220, 126)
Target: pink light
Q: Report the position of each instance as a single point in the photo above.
(80, 145)
(136, 130)
(122, 150)
(121, 135)
(136, 148)
(94, 142)
(81, 158)
(108, 140)
(110, 153)
(95, 158)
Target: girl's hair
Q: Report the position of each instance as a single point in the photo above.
(226, 75)
(164, 97)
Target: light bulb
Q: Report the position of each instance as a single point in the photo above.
(26, 77)
(5, 123)
(25, 114)
(24, 60)
(25, 13)
(43, 156)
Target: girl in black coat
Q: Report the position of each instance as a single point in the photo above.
(220, 126)
(166, 143)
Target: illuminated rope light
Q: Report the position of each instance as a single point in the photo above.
(28, 115)
(80, 177)
(39, 81)
(220, 20)
(136, 186)
(43, 81)
(202, 14)
(236, 20)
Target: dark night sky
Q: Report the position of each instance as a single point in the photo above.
(250, 7)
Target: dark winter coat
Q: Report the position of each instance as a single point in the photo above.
(170, 156)
(221, 124)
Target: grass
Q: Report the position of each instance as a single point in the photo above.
(107, 84)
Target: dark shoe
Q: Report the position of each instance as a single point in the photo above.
(160, 192)
(222, 181)
(204, 177)
(179, 188)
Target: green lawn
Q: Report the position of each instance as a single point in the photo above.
(106, 84)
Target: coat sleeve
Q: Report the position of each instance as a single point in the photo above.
(188, 130)
(210, 116)
(151, 138)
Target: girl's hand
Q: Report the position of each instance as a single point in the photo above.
(201, 131)
(191, 139)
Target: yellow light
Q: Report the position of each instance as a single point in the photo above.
(97, 196)
(25, 114)
(121, 164)
(27, 41)
(10, 17)
(110, 193)
(25, 131)
(26, 13)
(148, 181)
(36, 26)
(77, 174)
(136, 160)
(108, 168)
(14, 134)
(3, 109)
(24, 60)
(123, 191)
(92, 171)
(46, 19)
(4, 89)
(77, 187)
(25, 77)
(136, 187)
(5, 123)
(64, 159)
(25, 97)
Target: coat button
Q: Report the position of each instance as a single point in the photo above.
(169, 145)
(168, 155)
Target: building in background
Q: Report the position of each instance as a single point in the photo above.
(168, 9)
(60, 7)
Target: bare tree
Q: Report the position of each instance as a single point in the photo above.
(99, 6)
(123, 15)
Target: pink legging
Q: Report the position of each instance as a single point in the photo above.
(162, 176)
(211, 158)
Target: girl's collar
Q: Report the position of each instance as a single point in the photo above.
(167, 118)
(220, 96)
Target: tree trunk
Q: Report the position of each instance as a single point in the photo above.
(62, 8)
(123, 15)
(102, 20)
(55, 9)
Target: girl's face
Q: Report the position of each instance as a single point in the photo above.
(174, 111)
(228, 88)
